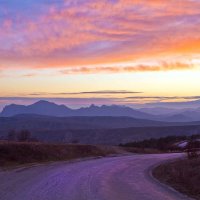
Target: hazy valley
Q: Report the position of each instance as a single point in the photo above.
(110, 125)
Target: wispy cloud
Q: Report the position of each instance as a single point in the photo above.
(162, 98)
(29, 75)
(100, 92)
(56, 34)
(163, 66)
(93, 100)
(105, 92)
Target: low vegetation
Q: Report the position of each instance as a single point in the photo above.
(142, 150)
(183, 175)
(164, 144)
(23, 135)
(18, 153)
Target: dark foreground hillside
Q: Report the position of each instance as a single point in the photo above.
(110, 136)
(40, 122)
(114, 136)
(17, 153)
(93, 130)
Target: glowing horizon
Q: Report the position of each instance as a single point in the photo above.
(60, 48)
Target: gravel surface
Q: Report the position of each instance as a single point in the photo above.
(112, 178)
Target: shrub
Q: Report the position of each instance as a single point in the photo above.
(192, 149)
(24, 135)
(12, 135)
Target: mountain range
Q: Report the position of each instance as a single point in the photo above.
(175, 105)
(51, 109)
(113, 124)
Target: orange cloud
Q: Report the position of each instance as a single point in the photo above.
(124, 69)
(100, 32)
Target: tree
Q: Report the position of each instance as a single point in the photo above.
(24, 135)
(192, 148)
(12, 135)
(75, 141)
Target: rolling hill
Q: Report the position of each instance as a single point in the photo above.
(93, 130)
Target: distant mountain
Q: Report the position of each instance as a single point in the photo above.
(174, 105)
(156, 113)
(184, 115)
(178, 118)
(40, 108)
(192, 114)
(52, 109)
(173, 115)
(160, 110)
(112, 110)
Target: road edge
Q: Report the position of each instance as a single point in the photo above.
(76, 160)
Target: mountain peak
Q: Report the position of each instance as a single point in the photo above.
(93, 106)
(43, 102)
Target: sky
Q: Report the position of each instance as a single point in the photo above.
(80, 52)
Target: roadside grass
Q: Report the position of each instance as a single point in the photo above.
(183, 175)
(163, 144)
(19, 153)
(143, 150)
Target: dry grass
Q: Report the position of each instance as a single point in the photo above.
(19, 153)
(15, 153)
(183, 175)
(142, 150)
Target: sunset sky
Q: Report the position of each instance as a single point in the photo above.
(80, 52)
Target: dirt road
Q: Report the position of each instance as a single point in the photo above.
(113, 178)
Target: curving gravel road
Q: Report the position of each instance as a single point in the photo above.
(112, 178)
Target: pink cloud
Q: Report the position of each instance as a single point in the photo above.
(101, 32)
